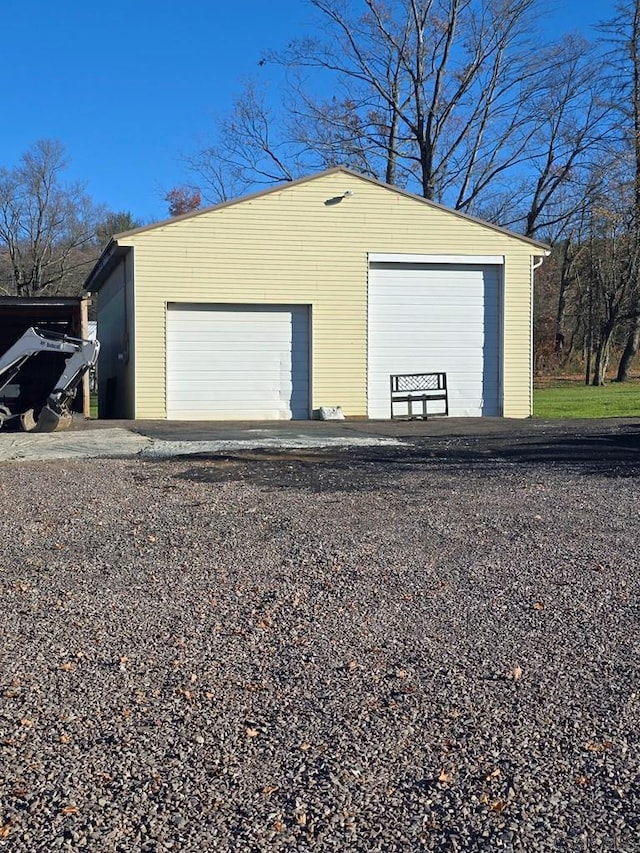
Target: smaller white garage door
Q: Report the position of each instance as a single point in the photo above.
(237, 362)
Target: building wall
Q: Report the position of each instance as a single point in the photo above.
(115, 333)
(305, 244)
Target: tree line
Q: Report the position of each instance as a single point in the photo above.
(51, 232)
(469, 103)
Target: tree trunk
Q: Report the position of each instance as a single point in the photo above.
(633, 339)
(392, 154)
(587, 377)
(426, 167)
(565, 282)
(559, 342)
(600, 367)
(602, 355)
(588, 357)
(630, 350)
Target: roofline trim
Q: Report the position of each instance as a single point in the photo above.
(110, 252)
(332, 171)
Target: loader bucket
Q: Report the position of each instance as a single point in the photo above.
(48, 421)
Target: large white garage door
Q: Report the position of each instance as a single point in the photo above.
(237, 362)
(436, 317)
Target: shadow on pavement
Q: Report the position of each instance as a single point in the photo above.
(622, 448)
(612, 453)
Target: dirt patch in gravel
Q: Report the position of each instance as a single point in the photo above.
(360, 653)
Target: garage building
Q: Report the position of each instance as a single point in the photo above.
(312, 294)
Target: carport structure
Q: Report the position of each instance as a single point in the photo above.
(67, 315)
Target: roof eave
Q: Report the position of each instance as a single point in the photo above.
(542, 247)
(110, 256)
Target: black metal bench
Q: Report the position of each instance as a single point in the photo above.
(423, 388)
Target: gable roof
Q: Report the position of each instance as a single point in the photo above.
(114, 250)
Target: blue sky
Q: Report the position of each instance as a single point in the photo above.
(128, 86)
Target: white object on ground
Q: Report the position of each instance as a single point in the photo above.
(331, 413)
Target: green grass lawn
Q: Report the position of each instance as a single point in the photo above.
(568, 398)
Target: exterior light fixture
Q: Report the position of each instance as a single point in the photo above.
(338, 198)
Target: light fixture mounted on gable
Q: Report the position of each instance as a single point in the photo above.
(338, 198)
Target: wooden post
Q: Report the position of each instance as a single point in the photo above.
(84, 333)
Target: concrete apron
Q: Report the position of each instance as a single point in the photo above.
(118, 443)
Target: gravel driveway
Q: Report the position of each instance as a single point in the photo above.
(358, 651)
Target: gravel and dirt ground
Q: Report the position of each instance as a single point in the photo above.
(425, 647)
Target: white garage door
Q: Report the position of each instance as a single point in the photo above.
(237, 362)
(436, 317)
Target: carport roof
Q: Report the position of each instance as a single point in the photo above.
(39, 301)
(115, 250)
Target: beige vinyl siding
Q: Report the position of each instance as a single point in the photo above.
(517, 337)
(290, 247)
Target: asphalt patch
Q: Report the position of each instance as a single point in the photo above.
(308, 471)
(613, 453)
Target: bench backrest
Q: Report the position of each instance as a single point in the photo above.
(407, 383)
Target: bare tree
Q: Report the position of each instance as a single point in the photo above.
(252, 149)
(609, 271)
(454, 99)
(433, 78)
(622, 33)
(46, 226)
(569, 133)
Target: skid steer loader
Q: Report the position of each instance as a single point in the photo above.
(55, 413)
